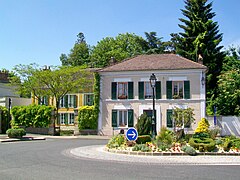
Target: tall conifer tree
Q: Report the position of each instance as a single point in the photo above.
(200, 39)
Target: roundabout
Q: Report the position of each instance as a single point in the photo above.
(98, 152)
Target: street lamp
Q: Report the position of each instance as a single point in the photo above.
(153, 85)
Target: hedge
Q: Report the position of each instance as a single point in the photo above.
(87, 118)
(32, 115)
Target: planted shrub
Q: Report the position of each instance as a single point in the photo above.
(203, 126)
(141, 147)
(32, 115)
(202, 145)
(144, 124)
(227, 145)
(143, 139)
(116, 141)
(87, 118)
(189, 150)
(16, 133)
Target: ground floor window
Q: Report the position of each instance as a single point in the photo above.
(66, 118)
(122, 118)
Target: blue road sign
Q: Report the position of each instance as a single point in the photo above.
(132, 134)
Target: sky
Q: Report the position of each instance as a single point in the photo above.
(39, 31)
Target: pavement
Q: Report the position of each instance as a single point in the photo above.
(99, 152)
(36, 137)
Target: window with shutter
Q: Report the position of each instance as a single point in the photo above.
(169, 118)
(130, 118)
(114, 90)
(141, 90)
(169, 89)
(158, 90)
(187, 89)
(130, 90)
(114, 118)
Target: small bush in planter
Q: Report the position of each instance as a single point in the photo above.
(143, 139)
(16, 133)
(189, 150)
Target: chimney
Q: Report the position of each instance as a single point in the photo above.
(4, 76)
(112, 61)
(200, 59)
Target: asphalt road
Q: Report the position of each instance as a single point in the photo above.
(40, 160)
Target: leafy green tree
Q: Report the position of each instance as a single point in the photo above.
(121, 47)
(228, 101)
(200, 39)
(55, 82)
(79, 54)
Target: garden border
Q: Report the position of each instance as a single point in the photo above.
(139, 153)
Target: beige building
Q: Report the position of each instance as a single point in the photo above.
(126, 92)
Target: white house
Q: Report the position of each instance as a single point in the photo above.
(125, 91)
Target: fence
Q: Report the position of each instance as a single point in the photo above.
(229, 125)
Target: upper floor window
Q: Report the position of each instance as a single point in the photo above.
(68, 101)
(122, 90)
(43, 100)
(145, 90)
(88, 99)
(178, 89)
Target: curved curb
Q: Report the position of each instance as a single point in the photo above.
(168, 153)
(98, 152)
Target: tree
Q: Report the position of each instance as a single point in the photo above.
(144, 124)
(228, 100)
(200, 39)
(154, 44)
(79, 54)
(121, 47)
(55, 82)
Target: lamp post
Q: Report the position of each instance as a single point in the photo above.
(153, 85)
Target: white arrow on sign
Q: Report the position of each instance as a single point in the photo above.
(133, 134)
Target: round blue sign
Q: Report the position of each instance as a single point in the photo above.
(132, 134)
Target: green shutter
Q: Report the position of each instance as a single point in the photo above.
(140, 90)
(66, 118)
(47, 100)
(186, 89)
(130, 90)
(114, 90)
(158, 90)
(39, 101)
(114, 118)
(75, 101)
(130, 118)
(169, 89)
(66, 101)
(169, 118)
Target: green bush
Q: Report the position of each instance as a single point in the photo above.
(143, 139)
(201, 135)
(32, 115)
(141, 147)
(189, 150)
(219, 142)
(144, 124)
(116, 141)
(165, 136)
(4, 118)
(16, 133)
(227, 145)
(202, 145)
(87, 118)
